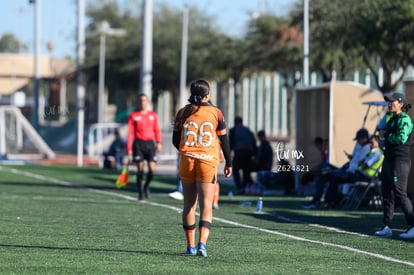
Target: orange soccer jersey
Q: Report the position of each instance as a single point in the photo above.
(199, 146)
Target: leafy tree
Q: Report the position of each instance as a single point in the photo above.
(329, 31)
(10, 44)
(207, 54)
(122, 53)
(274, 45)
(382, 34)
(205, 49)
(354, 34)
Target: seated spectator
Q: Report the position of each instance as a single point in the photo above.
(264, 159)
(361, 149)
(368, 168)
(322, 145)
(117, 150)
(286, 178)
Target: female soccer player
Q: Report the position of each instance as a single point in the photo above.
(396, 166)
(199, 134)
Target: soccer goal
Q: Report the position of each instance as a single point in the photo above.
(18, 138)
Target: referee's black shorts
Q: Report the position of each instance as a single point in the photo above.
(144, 150)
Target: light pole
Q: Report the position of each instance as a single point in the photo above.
(103, 30)
(80, 85)
(305, 43)
(37, 39)
(183, 68)
(146, 50)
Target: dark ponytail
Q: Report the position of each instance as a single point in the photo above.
(195, 99)
(199, 89)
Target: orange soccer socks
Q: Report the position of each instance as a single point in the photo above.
(189, 231)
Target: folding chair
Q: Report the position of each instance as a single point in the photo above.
(362, 191)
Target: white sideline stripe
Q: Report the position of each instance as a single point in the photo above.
(74, 199)
(65, 183)
(62, 198)
(321, 226)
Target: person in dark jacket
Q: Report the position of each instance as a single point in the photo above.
(243, 143)
(396, 166)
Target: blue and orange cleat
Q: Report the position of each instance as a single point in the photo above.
(191, 250)
(201, 250)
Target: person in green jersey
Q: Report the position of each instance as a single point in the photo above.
(396, 165)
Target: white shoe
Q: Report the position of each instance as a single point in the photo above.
(176, 195)
(408, 234)
(385, 232)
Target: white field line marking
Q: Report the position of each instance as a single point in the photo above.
(65, 183)
(321, 226)
(61, 198)
(73, 199)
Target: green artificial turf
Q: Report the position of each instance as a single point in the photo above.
(70, 220)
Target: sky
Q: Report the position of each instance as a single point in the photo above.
(58, 24)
